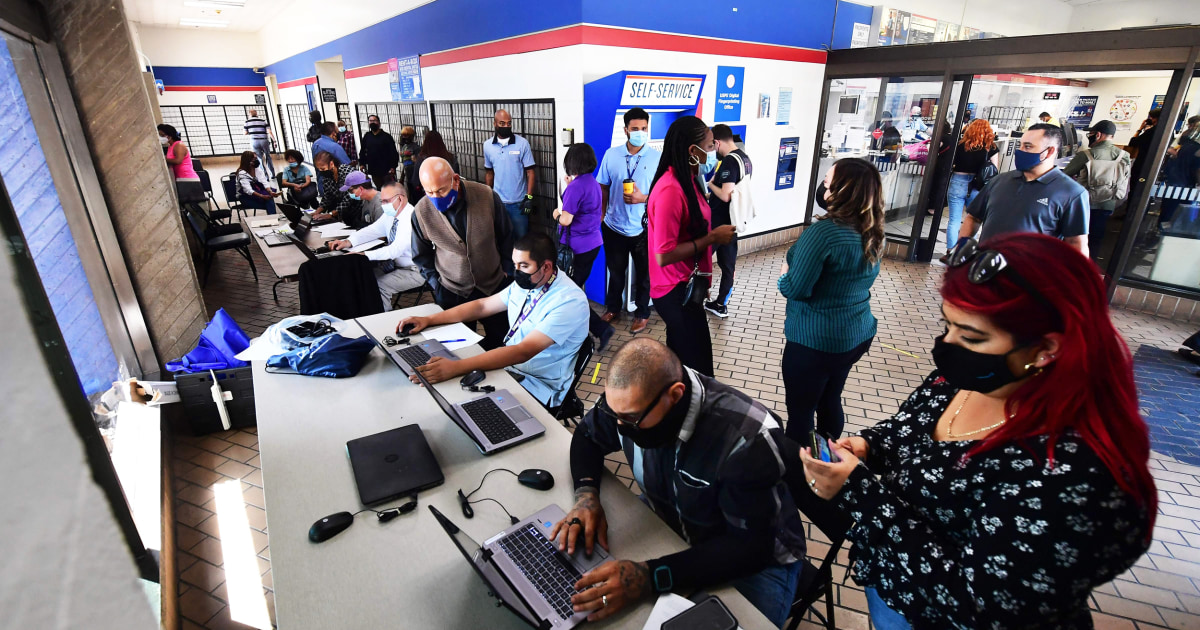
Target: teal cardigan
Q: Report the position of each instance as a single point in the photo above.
(828, 289)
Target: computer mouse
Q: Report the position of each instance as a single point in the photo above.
(321, 250)
(536, 478)
(472, 378)
(408, 328)
(330, 526)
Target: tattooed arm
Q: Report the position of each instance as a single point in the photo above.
(610, 587)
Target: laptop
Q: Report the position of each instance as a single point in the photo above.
(393, 464)
(408, 357)
(297, 238)
(292, 212)
(525, 571)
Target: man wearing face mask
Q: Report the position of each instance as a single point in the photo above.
(1034, 197)
(378, 156)
(395, 271)
(345, 138)
(914, 129)
(462, 242)
(547, 318)
(1103, 168)
(327, 142)
(628, 167)
(510, 172)
(364, 205)
(703, 455)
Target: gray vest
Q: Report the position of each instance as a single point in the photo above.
(473, 263)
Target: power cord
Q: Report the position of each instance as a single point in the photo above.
(465, 501)
(391, 513)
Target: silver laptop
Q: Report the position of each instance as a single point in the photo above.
(406, 357)
(494, 422)
(525, 571)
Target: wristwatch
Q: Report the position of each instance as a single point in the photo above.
(663, 581)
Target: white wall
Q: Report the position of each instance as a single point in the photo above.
(65, 562)
(200, 47)
(1106, 16)
(1110, 89)
(293, 95)
(307, 24)
(330, 75)
(1010, 18)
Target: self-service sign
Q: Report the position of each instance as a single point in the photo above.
(661, 91)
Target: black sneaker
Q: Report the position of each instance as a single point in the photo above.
(720, 310)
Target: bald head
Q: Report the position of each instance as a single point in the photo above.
(503, 116)
(437, 177)
(644, 365)
(253, 112)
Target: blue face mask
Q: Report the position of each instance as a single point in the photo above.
(1026, 160)
(443, 203)
(709, 164)
(638, 138)
(355, 197)
(389, 210)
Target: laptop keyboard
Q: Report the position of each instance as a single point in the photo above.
(493, 422)
(541, 563)
(414, 355)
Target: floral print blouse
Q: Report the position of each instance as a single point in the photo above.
(1005, 539)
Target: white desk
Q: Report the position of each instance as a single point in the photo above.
(407, 573)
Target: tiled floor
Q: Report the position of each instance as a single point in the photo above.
(1163, 590)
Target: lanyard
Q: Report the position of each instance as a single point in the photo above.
(528, 307)
(630, 171)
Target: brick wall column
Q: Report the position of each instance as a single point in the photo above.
(101, 64)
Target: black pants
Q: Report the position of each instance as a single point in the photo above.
(583, 269)
(494, 327)
(813, 382)
(726, 260)
(617, 250)
(687, 330)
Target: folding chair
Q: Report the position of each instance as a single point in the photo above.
(816, 581)
(229, 186)
(212, 243)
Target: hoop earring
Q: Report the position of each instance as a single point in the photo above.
(1029, 367)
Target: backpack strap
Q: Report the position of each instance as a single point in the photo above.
(741, 165)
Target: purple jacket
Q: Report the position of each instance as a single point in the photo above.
(584, 201)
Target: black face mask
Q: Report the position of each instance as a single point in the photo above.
(665, 432)
(255, 163)
(524, 280)
(406, 139)
(503, 132)
(821, 201)
(970, 370)
(1091, 139)
(373, 126)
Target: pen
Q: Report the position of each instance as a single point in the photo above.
(452, 340)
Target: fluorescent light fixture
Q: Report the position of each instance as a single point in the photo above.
(203, 22)
(243, 583)
(215, 4)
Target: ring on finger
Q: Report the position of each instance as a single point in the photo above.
(604, 601)
(812, 483)
(575, 521)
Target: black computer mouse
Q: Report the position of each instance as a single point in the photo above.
(330, 526)
(473, 377)
(536, 478)
(408, 328)
(321, 250)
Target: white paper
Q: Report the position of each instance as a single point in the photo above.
(260, 349)
(332, 234)
(331, 227)
(369, 245)
(668, 605)
(256, 223)
(453, 331)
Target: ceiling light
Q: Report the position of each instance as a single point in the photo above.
(215, 4)
(202, 22)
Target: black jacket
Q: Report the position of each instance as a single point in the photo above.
(378, 153)
(343, 286)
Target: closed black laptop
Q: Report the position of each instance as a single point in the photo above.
(393, 464)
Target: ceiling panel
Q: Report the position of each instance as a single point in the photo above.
(167, 13)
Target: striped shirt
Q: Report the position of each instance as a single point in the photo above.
(828, 289)
(257, 128)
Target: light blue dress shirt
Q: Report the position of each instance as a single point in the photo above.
(508, 162)
(617, 165)
(562, 315)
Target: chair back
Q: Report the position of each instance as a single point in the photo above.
(230, 188)
(197, 220)
(205, 181)
(582, 358)
(343, 286)
(196, 165)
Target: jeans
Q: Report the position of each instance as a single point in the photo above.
(618, 248)
(883, 617)
(687, 330)
(813, 382)
(960, 196)
(262, 148)
(257, 203)
(726, 260)
(520, 220)
(583, 269)
(772, 590)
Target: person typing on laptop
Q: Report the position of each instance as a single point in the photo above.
(395, 272)
(705, 460)
(547, 317)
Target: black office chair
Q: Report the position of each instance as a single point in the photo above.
(229, 186)
(206, 184)
(572, 406)
(815, 581)
(212, 243)
(419, 290)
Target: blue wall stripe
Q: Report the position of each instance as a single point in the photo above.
(847, 14)
(803, 23)
(181, 75)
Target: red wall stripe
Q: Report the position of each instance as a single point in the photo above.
(215, 88)
(569, 36)
(367, 71)
(299, 82)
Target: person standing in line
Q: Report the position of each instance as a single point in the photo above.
(1181, 168)
(1034, 197)
(734, 167)
(378, 156)
(395, 271)
(511, 172)
(262, 139)
(1140, 143)
(179, 158)
(827, 278)
(432, 147)
(630, 166)
(1100, 149)
(580, 216)
(976, 149)
(408, 150)
(462, 242)
(317, 129)
(345, 138)
(680, 241)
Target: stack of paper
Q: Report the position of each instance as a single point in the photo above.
(453, 336)
(331, 227)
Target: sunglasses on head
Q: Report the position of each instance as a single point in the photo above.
(987, 264)
(630, 418)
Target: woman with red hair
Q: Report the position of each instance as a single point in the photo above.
(1015, 479)
(976, 150)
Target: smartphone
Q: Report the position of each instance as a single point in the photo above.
(821, 450)
(709, 614)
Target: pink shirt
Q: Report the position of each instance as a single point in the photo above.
(184, 169)
(668, 227)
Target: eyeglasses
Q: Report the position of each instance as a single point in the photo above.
(628, 418)
(393, 198)
(987, 264)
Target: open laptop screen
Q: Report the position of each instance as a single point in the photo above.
(447, 408)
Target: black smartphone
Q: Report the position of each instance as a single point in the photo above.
(709, 614)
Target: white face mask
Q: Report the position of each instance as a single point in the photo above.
(162, 140)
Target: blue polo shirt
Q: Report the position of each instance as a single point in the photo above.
(508, 162)
(562, 315)
(1053, 204)
(325, 144)
(617, 166)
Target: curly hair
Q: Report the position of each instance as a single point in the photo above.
(978, 135)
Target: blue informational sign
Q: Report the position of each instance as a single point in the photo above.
(404, 75)
(1082, 110)
(212, 98)
(785, 172)
(729, 93)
